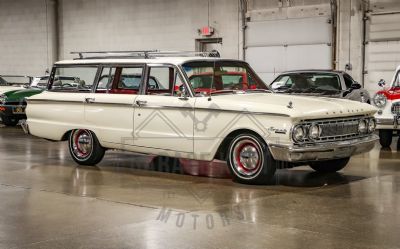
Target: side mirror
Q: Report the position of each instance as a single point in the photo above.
(355, 86)
(382, 83)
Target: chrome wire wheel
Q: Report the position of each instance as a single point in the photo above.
(246, 157)
(82, 144)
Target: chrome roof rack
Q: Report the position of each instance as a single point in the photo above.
(146, 54)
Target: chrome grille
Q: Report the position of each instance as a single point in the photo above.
(396, 108)
(336, 129)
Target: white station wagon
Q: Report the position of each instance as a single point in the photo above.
(195, 107)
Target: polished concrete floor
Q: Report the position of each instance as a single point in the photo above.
(46, 201)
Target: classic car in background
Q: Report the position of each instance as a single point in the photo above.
(254, 130)
(323, 83)
(13, 102)
(11, 82)
(388, 115)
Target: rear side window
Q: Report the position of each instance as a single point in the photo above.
(120, 80)
(73, 79)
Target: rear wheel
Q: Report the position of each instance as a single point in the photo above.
(85, 148)
(9, 121)
(385, 138)
(250, 160)
(330, 166)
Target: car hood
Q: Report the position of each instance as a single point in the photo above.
(330, 94)
(20, 94)
(296, 107)
(4, 89)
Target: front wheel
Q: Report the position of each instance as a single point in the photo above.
(9, 121)
(250, 160)
(85, 148)
(330, 166)
(385, 138)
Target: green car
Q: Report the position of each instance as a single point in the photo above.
(13, 103)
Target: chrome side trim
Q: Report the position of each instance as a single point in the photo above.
(48, 101)
(243, 112)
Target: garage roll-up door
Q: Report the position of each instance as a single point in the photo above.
(298, 38)
(383, 45)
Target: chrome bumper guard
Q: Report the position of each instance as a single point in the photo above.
(323, 151)
(395, 122)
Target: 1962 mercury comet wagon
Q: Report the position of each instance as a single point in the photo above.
(253, 129)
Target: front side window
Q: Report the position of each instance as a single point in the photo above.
(220, 76)
(15, 80)
(164, 80)
(73, 79)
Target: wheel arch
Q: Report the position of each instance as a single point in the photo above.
(221, 153)
(66, 135)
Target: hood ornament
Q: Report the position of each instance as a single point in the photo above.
(290, 105)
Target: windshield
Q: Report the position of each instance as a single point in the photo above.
(307, 82)
(222, 76)
(15, 80)
(396, 82)
(40, 82)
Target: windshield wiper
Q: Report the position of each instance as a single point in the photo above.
(225, 91)
(258, 90)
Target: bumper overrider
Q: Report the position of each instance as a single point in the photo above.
(323, 151)
(394, 122)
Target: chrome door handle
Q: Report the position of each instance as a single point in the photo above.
(141, 102)
(89, 100)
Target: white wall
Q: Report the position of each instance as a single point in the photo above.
(145, 24)
(23, 37)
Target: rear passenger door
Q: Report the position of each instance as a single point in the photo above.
(109, 109)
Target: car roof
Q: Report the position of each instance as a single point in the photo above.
(313, 71)
(155, 60)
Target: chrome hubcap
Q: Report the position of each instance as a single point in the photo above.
(82, 143)
(247, 157)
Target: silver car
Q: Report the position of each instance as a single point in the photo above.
(325, 83)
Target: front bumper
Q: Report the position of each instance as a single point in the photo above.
(324, 151)
(388, 123)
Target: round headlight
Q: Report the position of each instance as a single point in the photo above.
(380, 100)
(314, 132)
(298, 134)
(371, 125)
(362, 126)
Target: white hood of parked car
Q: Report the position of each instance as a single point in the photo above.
(4, 89)
(288, 105)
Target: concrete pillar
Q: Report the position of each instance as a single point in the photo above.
(350, 34)
(52, 31)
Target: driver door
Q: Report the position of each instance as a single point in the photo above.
(164, 114)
